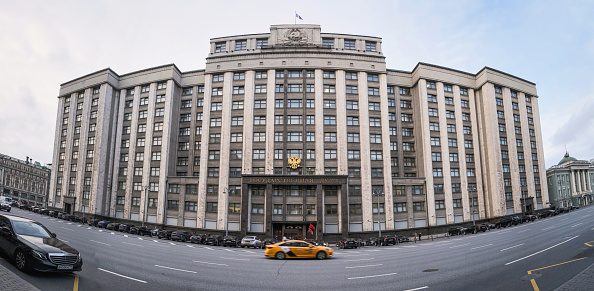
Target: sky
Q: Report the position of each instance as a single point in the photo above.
(46, 43)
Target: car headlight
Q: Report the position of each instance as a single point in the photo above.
(38, 255)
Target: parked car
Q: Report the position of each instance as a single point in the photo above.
(166, 234)
(231, 241)
(388, 240)
(269, 241)
(482, 227)
(155, 231)
(251, 241)
(574, 207)
(516, 220)
(33, 247)
(140, 230)
(92, 221)
(472, 229)
(180, 235)
(348, 243)
(125, 227)
(308, 240)
(457, 230)
(213, 240)
(113, 226)
(5, 206)
(372, 241)
(504, 222)
(402, 239)
(563, 209)
(297, 249)
(198, 238)
(528, 218)
(102, 223)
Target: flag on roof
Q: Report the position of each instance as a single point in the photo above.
(298, 17)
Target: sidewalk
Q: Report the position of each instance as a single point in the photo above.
(9, 281)
(582, 281)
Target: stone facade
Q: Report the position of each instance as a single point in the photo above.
(24, 181)
(414, 141)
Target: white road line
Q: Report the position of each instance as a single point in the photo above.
(548, 227)
(155, 240)
(420, 288)
(541, 251)
(370, 259)
(511, 247)
(141, 281)
(577, 224)
(482, 247)
(100, 242)
(234, 259)
(372, 276)
(172, 243)
(175, 269)
(249, 252)
(65, 241)
(523, 230)
(69, 223)
(140, 238)
(132, 244)
(366, 266)
(189, 246)
(211, 263)
(67, 228)
(372, 250)
(101, 230)
(459, 246)
(88, 228)
(228, 250)
(125, 235)
(209, 248)
(409, 246)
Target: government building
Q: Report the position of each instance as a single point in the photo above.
(26, 182)
(302, 134)
(570, 182)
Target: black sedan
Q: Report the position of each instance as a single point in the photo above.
(180, 235)
(348, 243)
(34, 247)
(140, 230)
(231, 241)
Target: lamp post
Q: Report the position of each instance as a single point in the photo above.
(85, 190)
(524, 197)
(145, 203)
(227, 191)
(471, 189)
(378, 192)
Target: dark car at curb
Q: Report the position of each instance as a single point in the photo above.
(5, 206)
(166, 234)
(231, 241)
(198, 238)
(140, 230)
(180, 235)
(33, 247)
(457, 230)
(401, 239)
(213, 240)
(348, 243)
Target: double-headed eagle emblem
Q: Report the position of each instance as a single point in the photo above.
(294, 162)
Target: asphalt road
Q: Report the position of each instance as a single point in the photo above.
(543, 254)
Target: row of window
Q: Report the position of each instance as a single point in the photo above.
(262, 43)
(454, 172)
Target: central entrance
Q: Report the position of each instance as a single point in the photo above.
(294, 231)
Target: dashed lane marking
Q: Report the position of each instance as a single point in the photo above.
(208, 263)
(481, 247)
(100, 242)
(459, 246)
(415, 289)
(234, 259)
(528, 256)
(132, 244)
(511, 247)
(366, 266)
(181, 270)
(372, 276)
(577, 224)
(67, 228)
(114, 273)
(368, 259)
(548, 227)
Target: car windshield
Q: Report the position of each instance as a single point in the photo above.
(30, 228)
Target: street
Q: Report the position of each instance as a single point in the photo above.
(542, 254)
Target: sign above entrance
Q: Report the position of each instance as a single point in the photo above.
(292, 180)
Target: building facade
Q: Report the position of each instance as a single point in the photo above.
(298, 132)
(24, 181)
(570, 182)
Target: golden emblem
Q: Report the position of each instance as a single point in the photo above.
(294, 162)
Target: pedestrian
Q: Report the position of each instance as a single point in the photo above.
(416, 236)
(284, 238)
(419, 236)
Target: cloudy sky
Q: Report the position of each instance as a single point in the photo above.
(46, 43)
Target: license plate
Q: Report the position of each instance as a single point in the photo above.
(64, 267)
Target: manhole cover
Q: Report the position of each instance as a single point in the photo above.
(531, 276)
(431, 270)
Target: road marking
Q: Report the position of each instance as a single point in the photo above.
(228, 250)
(132, 244)
(181, 270)
(140, 238)
(481, 246)
(125, 235)
(75, 287)
(66, 228)
(88, 228)
(459, 246)
(211, 263)
(249, 252)
(511, 247)
(189, 246)
(156, 241)
(209, 248)
(112, 232)
(534, 282)
(548, 227)
(69, 223)
(577, 224)
(409, 246)
(100, 242)
(101, 230)
(587, 243)
(372, 250)
(235, 259)
(372, 276)
(172, 243)
(141, 281)
(363, 266)
(541, 251)
(370, 259)
(523, 230)
(420, 288)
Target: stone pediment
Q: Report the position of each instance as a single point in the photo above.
(295, 35)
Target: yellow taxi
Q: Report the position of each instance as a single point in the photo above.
(297, 249)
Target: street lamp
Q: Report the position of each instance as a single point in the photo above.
(378, 192)
(85, 190)
(471, 189)
(145, 203)
(523, 187)
(227, 191)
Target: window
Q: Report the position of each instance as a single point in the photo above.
(431, 85)
(349, 44)
(238, 90)
(433, 126)
(328, 119)
(436, 157)
(515, 106)
(352, 137)
(330, 154)
(331, 208)
(370, 46)
(433, 112)
(259, 154)
(499, 101)
(376, 155)
(220, 47)
(452, 142)
(258, 137)
(506, 168)
(156, 156)
(439, 204)
(352, 120)
(447, 88)
(371, 91)
(294, 88)
(468, 144)
(431, 98)
(498, 90)
(160, 112)
(407, 131)
(400, 207)
(450, 114)
(419, 206)
(406, 117)
(437, 172)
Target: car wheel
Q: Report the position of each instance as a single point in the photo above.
(321, 255)
(20, 260)
(280, 255)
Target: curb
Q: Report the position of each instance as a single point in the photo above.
(9, 281)
(582, 281)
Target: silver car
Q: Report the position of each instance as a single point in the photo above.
(251, 241)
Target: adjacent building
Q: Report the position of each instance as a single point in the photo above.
(570, 182)
(24, 181)
(299, 133)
